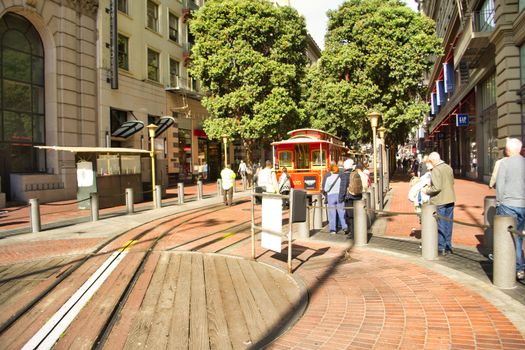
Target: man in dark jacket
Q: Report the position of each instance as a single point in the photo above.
(441, 192)
(344, 196)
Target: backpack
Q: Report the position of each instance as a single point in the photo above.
(355, 186)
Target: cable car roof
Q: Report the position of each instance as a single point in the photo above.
(306, 130)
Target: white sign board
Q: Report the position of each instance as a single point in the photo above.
(272, 219)
(84, 174)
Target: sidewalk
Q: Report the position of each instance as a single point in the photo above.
(15, 219)
(469, 208)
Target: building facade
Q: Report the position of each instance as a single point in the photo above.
(48, 94)
(477, 84)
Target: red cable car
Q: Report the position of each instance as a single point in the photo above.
(307, 156)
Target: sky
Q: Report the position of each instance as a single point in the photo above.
(315, 13)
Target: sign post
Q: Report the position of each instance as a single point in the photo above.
(462, 120)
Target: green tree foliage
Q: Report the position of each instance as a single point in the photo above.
(375, 56)
(250, 56)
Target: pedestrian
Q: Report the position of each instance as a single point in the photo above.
(494, 175)
(242, 171)
(415, 167)
(510, 194)
(365, 180)
(441, 192)
(331, 190)
(267, 179)
(415, 193)
(228, 177)
(255, 171)
(423, 166)
(285, 186)
(205, 171)
(351, 189)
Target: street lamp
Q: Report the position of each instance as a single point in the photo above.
(374, 119)
(225, 141)
(151, 131)
(384, 165)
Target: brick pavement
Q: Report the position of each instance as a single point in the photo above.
(17, 217)
(469, 208)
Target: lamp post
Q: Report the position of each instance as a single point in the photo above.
(374, 118)
(151, 131)
(381, 132)
(225, 141)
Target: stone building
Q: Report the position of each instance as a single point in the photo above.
(48, 93)
(477, 85)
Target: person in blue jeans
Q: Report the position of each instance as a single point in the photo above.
(441, 192)
(331, 188)
(510, 194)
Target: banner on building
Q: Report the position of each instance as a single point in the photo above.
(448, 74)
(433, 104)
(440, 92)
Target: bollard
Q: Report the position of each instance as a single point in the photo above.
(180, 193)
(94, 206)
(324, 212)
(158, 196)
(219, 188)
(489, 210)
(429, 232)
(360, 221)
(504, 266)
(317, 202)
(244, 184)
(303, 228)
(129, 201)
(35, 215)
(368, 202)
(372, 205)
(199, 190)
(234, 186)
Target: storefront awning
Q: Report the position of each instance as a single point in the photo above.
(128, 128)
(105, 150)
(163, 124)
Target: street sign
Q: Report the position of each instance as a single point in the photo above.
(461, 119)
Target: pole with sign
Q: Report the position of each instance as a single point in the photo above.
(462, 120)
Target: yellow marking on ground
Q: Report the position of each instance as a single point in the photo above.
(228, 235)
(128, 245)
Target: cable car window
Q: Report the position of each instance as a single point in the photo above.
(316, 158)
(301, 157)
(285, 159)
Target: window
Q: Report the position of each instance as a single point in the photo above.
(285, 159)
(122, 6)
(488, 92)
(153, 16)
(174, 72)
(301, 157)
(486, 17)
(123, 54)
(117, 118)
(174, 28)
(316, 158)
(522, 64)
(22, 115)
(521, 5)
(153, 65)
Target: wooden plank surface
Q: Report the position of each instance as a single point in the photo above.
(179, 332)
(217, 325)
(140, 329)
(199, 339)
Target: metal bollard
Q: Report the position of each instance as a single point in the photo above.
(360, 221)
(35, 215)
(303, 228)
(368, 201)
(219, 188)
(94, 206)
(504, 266)
(429, 232)
(158, 196)
(244, 184)
(489, 210)
(180, 193)
(129, 201)
(317, 202)
(199, 190)
(234, 186)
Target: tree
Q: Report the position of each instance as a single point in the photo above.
(250, 56)
(375, 56)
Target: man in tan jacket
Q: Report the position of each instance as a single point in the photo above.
(441, 192)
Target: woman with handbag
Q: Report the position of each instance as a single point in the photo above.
(335, 208)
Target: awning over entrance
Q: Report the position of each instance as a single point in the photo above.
(163, 124)
(106, 150)
(128, 128)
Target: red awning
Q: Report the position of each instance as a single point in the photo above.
(199, 133)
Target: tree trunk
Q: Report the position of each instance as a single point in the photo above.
(248, 144)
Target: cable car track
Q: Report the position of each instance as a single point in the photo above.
(63, 275)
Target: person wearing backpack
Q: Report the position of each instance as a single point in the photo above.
(351, 189)
(331, 187)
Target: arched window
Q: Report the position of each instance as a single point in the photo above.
(22, 121)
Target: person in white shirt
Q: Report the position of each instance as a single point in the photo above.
(228, 177)
(242, 171)
(267, 179)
